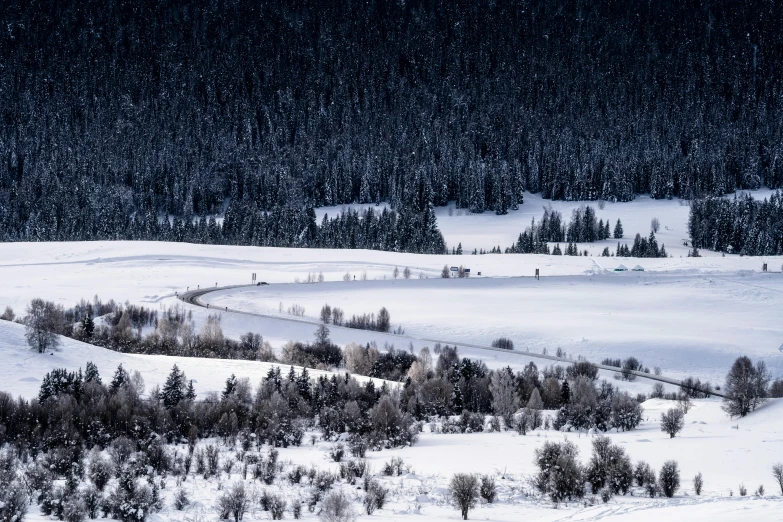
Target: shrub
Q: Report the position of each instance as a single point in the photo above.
(609, 467)
(277, 506)
(74, 511)
(503, 342)
(234, 503)
(92, 499)
(375, 497)
(669, 478)
(698, 483)
(181, 500)
(337, 452)
(560, 475)
(742, 490)
(100, 471)
(336, 507)
(395, 467)
(643, 474)
(464, 492)
(488, 489)
(13, 503)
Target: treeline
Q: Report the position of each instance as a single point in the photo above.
(740, 225)
(582, 228)
(118, 109)
(404, 231)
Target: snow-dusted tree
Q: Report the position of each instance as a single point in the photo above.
(91, 373)
(505, 401)
(406, 273)
(445, 273)
(669, 478)
(609, 467)
(464, 492)
(174, 389)
(643, 474)
(535, 402)
(42, 324)
(396, 273)
(746, 387)
(626, 412)
(120, 380)
(672, 421)
(655, 225)
(560, 475)
(618, 230)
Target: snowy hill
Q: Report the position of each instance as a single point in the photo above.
(22, 369)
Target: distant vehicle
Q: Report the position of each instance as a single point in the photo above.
(262, 283)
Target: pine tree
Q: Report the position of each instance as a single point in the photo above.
(565, 393)
(618, 230)
(91, 373)
(88, 326)
(120, 379)
(231, 386)
(174, 389)
(190, 392)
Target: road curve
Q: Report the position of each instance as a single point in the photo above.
(193, 297)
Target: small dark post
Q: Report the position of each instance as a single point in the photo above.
(764, 268)
(537, 274)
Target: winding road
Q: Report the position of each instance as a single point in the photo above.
(193, 297)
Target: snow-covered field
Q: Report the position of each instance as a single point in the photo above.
(688, 316)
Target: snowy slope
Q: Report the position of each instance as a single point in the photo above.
(22, 369)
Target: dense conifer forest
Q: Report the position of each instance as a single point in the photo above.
(117, 113)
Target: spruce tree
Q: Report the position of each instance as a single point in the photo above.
(174, 388)
(120, 379)
(88, 326)
(618, 230)
(231, 386)
(190, 392)
(91, 373)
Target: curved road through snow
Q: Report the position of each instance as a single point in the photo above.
(193, 297)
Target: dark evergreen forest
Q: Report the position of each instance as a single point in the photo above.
(116, 113)
(741, 225)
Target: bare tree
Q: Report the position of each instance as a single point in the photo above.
(464, 492)
(326, 313)
(396, 272)
(655, 225)
(777, 472)
(406, 273)
(505, 401)
(672, 421)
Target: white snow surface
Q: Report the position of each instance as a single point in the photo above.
(687, 316)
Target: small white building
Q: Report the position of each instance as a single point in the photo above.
(621, 268)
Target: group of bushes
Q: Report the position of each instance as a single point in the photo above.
(609, 472)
